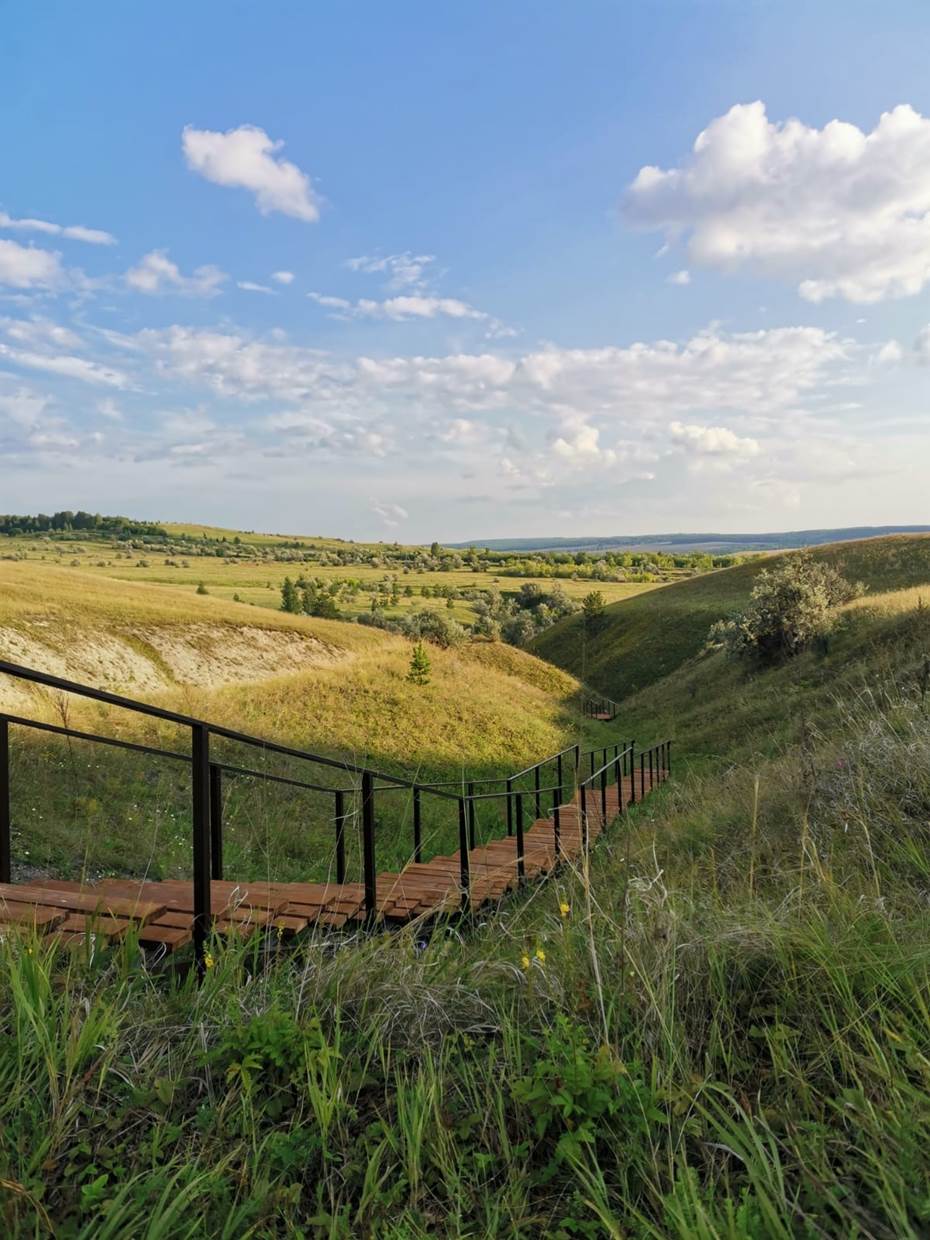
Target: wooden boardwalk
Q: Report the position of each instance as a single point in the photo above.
(162, 913)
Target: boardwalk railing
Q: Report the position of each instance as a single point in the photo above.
(603, 709)
(543, 789)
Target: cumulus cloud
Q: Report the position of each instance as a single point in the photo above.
(840, 212)
(26, 267)
(71, 232)
(283, 277)
(713, 440)
(247, 158)
(156, 273)
(889, 353)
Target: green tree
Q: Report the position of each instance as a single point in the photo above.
(420, 666)
(290, 597)
(592, 607)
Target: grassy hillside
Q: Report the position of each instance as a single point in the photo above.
(644, 638)
(719, 1030)
(333, 688)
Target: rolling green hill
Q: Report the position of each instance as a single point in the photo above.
(645, 638)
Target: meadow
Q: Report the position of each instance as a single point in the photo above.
(715, 1028)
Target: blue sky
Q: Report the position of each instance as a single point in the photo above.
(396, 271)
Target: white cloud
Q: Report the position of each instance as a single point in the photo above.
(581, 445)
(66, 365)
(922, 344)
(71, 232)
(889, 353)
(283, 277)
(156, 273)
(680, 277)
(24, 266)
(409, 307)
(390, 514)
(248, 286)
(330, 303)
(713, 440)
(841, 212)
(247, 158)
(405, 270)
(39, 333)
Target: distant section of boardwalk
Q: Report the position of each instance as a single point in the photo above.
(162, 913)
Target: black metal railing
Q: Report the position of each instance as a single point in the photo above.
(543, 790)
(595, 706)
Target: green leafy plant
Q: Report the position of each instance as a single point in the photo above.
(788, 610)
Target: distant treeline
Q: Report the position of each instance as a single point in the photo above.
(89, 522)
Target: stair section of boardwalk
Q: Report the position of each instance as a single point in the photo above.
(162, 913)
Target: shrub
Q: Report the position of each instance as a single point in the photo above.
(789, 608)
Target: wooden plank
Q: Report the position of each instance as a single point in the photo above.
(170, 937)
(290, 924)
(96, 923)
(81, 901)
(44, 919)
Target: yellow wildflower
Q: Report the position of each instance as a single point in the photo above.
(564, 909)
(525, 961)
(208, 960)
(540, 955)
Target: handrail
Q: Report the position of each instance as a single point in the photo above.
(609, 763)
(207, 774)
(216, 729)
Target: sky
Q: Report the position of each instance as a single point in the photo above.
(417, 271)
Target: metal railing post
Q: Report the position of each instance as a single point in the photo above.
(556, 831)
(537, 783)
(368, 845)
(471, 815)
(618, 779)
(584, 818)
(464, 866)
(642, 776)
(510, 807)
(669, 759)
(339, 798)
(560, 794)
(200, 821)
(6, 823)
(417, 827)
(651, 779)
(604, 795)
(216, 821)
(632, 772)
(521, 855)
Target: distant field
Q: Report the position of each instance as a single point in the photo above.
(259, 582)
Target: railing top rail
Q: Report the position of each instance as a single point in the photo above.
(170, 716)
(542, 762)
(276, 779)
(607, 765)
(78, 735)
